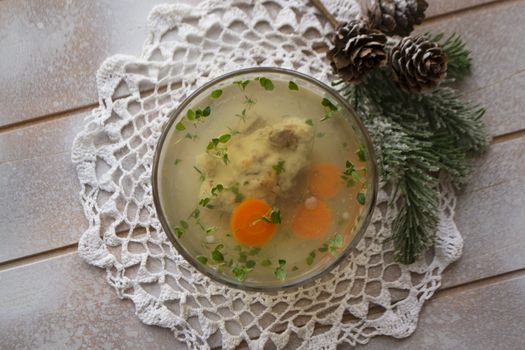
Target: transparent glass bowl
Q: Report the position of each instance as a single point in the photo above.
(274, 74)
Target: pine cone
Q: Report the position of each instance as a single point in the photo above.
(357, 50)
(417, 63)
(397, 17)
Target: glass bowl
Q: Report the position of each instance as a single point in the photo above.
(192, 126)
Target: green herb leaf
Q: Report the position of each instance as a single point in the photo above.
(202, 259)
(361, 198)
(206, 111)
(310, 258)
(328, 104)
(279, 167)
(241, 84)
(323, 248)
(204, 202)
(292, 86)
(225, 138)
(310, 122)
(280, 274)
(190, 114)
(242, 116)
(192, 137)
(254, 251)
(179, 231)
(195, 213)
(235, 190)
(216, 93)
(266, 83)
(184, 224)
(327, 115)
(240, 273)
(335, 243)
(249, 101)
(361, 153)
(180, 126)
(276, 216)
(217, 255)
(295, 268)
(225, 158)
(266, 262)
(250, 264)
(217, 189)
(281, 262)
(350, 175)
(212, 144)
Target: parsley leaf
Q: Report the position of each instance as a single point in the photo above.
(327, 103)
(323, 248)
(204, 202)
(225, 138)
(202, 259)
(292, 86)
(335, 243)
(310, 258)
(181, 229)
(242, 116)
(266, 83)
(276, 216)
(350, 175)
(361, 198)
(217, 255)
(216, 93)
(266, 262)
(279, 272)
(235, 190)
(217, 189)
(241, 84)
(279, 167)
(180, 126)
(254, 251)
(361, 153)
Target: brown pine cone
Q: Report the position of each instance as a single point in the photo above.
(417, 64)
(357, 50)
(397, 17)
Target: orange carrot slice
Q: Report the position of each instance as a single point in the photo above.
(246, 223)
(312, 223)
(324, 180)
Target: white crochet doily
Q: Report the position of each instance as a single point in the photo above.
(367, 295)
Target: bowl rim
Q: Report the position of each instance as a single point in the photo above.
(216, 277)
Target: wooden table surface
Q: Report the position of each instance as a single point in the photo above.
(50, 299)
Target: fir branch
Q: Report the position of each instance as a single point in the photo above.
(414, 227)
(459, 60)
(416, 136)
(446, 111)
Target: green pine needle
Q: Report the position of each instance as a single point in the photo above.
(459, 60)
(417, 137)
